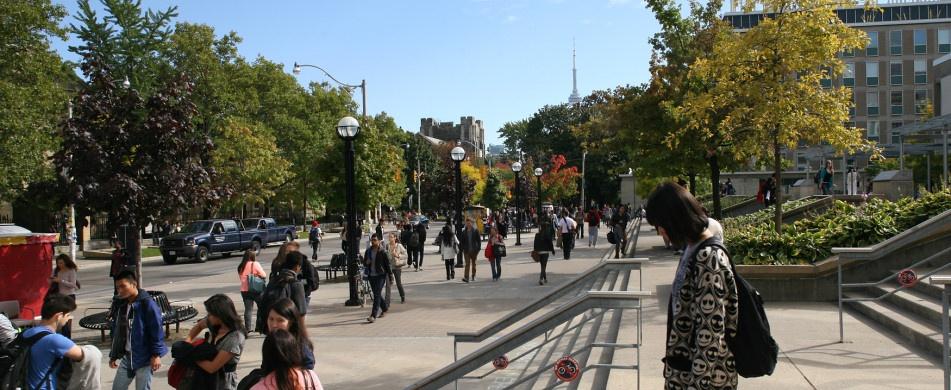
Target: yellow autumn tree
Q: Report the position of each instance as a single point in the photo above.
(766, 91)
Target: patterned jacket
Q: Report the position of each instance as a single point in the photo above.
(699, 320)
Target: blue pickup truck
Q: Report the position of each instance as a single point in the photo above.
(200, 239)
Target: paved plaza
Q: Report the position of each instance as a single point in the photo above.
(411, 341)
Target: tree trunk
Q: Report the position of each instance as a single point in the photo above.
(715, 182)
(692, 177)
(778, 193)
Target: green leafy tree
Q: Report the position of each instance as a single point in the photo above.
(248, 163)
(32, 95)
(495, 194)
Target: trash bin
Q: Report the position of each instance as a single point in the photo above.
(27, 262)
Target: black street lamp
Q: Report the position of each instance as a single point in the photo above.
(516, 168)
(538, 204)
(458, 154)
(348, 129)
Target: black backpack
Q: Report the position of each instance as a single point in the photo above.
(754, 349)
(414, 240)
(314, 235)
(15, 362)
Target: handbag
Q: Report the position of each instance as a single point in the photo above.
(535, 256)
(498, 250)
(488, 253)
(612, 238)
(255, 284)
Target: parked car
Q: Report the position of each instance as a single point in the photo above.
(271, 232)
(201, 239)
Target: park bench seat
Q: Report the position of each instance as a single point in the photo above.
(171, 314)
(338, 263)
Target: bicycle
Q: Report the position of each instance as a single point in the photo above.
(364, 292)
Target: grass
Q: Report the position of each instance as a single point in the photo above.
(150, 252)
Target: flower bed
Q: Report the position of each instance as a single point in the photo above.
(752, 238)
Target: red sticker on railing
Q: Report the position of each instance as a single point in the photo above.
(907, 278)
(501, 362)
(567, 369)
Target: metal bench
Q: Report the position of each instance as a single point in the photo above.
(338, 263)
(171, 314)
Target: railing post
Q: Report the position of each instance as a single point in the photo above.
(838, 262)
(945, 330)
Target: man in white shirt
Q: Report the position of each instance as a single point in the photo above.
(566, 228)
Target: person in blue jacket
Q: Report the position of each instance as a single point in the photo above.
(138, 338)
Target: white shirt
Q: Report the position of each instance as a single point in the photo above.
(565, 224)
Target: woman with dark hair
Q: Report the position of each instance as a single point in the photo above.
(284, 316)
(278, 263)
(448, 249)
(65, 281)
(281, 349)
(227, 334)
(543, 248)
(702, 312)
(249, 267)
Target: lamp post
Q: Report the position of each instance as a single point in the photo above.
(348, 129)
(516, 168)
(538, 202)
(362, 85)
(458, 154)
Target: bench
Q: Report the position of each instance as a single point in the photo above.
(338, 263)
(11, 309)
(171, 314)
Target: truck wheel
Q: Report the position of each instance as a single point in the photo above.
(288, 238)
(169, 259)
(256, 247)
(201, 254)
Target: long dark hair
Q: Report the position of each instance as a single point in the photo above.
(249, 256)
(671, 207)
(447, 235)
(286, 308)
(67, 261)
(219, 305)
(281, 350)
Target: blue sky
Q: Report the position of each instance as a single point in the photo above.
(497, 60)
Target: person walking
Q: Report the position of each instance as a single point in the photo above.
(406, 238)
(377, 262)
(227, 334)
(594, 223)
(314, 237)
(619, 226)
(543, 248)
(138, 335)
(65, 282)
(825, 178)
(448, 249)
(282, 350)
(471, 245)
(284, 316)
(579, 221)
(703, 303)
(566, 228)
(284, 284)
(397, 261)
(492, 247)
(250, 268)
(417, 251)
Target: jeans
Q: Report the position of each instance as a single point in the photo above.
(471, 263)
(593, 235)
(142, 376)
(397, 276)
(543, 262)
(379, 303)
(567, 241)
(418, 257)
(413, 258)
(450, 268)
(315, 245)
(250, 300)
(496, 265)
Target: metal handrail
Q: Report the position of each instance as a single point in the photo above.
(882, 281)
(539, 326)
(634, 231)
(945, 327)
(520, 314)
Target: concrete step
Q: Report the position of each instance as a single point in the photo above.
(907, 326)
(911, 301)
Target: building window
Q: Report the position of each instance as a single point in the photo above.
(896, 103)
(848, 77)
(921, 41)
(921, 72)
(871, 99)
(894, 73)
(848, 53)
(921, 100)
(871, 74)
(894, 42)
(944, 41)
(872, 48)
(872, 130)
(825, 81)
(896, 136)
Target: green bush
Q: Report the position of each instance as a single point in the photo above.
(752, 238)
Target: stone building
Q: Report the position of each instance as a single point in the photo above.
(469, 130)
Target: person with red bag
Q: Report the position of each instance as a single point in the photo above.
(493, 252)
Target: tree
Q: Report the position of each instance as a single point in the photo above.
(32, 95)
(774, 71)
(559, 181)
(130, 157)
(247, 162)
(495, 194)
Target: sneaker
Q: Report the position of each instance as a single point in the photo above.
(402, 299)
(465, 280)
(540, 282)
(382, 314)
(473, 279)
(370, 319)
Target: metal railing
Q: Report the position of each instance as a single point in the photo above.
(889, 278)
(591, 307)
(945, 327)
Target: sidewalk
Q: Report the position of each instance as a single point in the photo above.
(411, 341)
